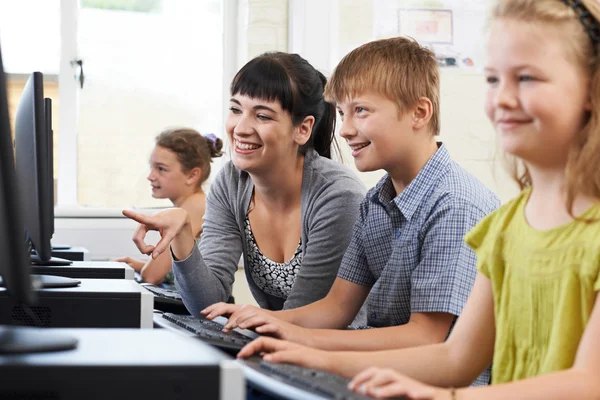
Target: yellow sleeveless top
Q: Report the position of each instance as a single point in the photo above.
(544, 285)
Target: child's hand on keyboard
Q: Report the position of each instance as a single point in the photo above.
(284, 330)
(222, 310)
(242, 316)
(280, 351)
(261, 321)
(386, 383)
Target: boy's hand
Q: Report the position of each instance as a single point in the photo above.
(279, 351)
(385, 383)
(137, 265)
(222, 309)
(286, 331)
(248, 317)
(242, 316)
(169, 223)
(261, 321)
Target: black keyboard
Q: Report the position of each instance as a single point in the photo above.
(162, 292)
(167, 300)
(298, 382)
(210, 332)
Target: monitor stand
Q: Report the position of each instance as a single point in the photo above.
(53, 261)
(20, 340)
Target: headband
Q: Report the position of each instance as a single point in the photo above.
(590, 23)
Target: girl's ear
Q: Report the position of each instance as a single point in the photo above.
(193, 176)
(304, 130)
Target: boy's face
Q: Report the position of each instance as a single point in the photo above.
(375, 131)
(537, 95)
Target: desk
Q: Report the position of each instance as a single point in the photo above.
(123, 364)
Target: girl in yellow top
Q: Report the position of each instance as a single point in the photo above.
(534, 308)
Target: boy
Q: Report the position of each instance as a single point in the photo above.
(407, 261)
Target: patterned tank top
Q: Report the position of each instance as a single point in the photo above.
(271, 277)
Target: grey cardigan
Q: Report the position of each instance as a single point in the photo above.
(331, 194)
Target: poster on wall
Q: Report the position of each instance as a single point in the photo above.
(453, 29)
(426, 25)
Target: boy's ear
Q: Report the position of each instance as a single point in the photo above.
(193, 176)
(422, 113)
(304, 130)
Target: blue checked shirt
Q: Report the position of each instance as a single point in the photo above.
(410, 249)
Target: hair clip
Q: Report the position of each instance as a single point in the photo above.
(588, 20)
(211, 137)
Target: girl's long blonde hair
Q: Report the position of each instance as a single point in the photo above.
(583, 163)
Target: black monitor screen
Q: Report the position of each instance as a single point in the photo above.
(31, 146)
(14, 262)
(50, 169)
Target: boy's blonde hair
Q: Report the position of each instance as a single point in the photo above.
(398, 68)
(583, 164)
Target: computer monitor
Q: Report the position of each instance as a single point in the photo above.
(15, 264)
(50, 132)
(50, 159)
(33, 153)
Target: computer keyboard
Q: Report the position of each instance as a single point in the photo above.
(283, 381)
(162, 292)
(167, 300)
(210, 332)
(294, 382)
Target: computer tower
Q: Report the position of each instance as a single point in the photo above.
(123, 364)
(95, 303)
(87, 270)
(72, 253)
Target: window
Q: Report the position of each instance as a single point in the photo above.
(31, 42)
(30, 34)
(147, 65)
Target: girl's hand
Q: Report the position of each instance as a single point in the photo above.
(280, 351)
(137, 265)
(169, 223)
(385, 383)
